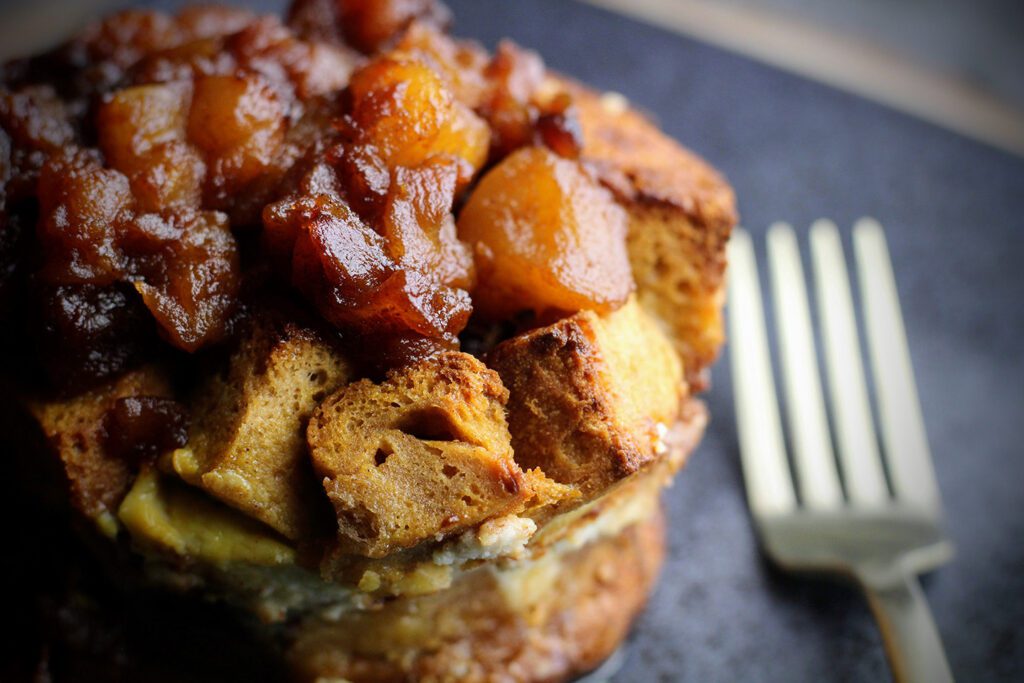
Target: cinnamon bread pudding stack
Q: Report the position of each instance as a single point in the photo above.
(379, 343)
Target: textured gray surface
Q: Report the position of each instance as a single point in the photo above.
(955, 217)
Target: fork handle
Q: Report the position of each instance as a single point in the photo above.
(911, 640)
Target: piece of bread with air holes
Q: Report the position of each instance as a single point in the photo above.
(591, 395)
(422, 455)
(247, 442)
(681, 213)
(96, 479)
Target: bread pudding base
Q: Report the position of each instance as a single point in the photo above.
(546, 619)
(549, 620)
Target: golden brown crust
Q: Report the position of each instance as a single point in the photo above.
(587, 395)
(681, 215)
(424, 453)
(247, 444)
(562, 516)
(560, 617)
(97, 481)
(640, 163)
(627, 497)
(679, 268)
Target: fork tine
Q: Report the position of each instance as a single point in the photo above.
(812, 447)
(903, 433)
(855, 434)
(765, 470)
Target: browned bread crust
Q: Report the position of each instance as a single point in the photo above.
(556, 612)
(426, 452)
(681, 213)
(590, 395)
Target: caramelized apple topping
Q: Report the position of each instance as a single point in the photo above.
(399, 286)
(151, 150)
(196, 121)
(182, 261)
(370, 231)
(461, 63)
(143, 427)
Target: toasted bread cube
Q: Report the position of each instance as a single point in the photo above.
(422, 455)
(590, 396)
(247, 446)
(97, 480)
(681, 213)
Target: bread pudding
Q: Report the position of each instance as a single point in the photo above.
(345, 349)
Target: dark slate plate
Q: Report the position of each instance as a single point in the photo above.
(954, 209)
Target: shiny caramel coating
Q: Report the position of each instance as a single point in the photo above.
(344, 268)
(182, 262)
(370, 229)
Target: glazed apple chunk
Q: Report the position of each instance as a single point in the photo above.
(402, 107)
(547, 238)
(239, 124)
(183, 262)
(142, 133)
(369, 236)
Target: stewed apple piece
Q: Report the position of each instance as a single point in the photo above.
(419, 227)
(142, 134)
(350, 272)
(238, 122)
(547, 237)
(134, 121)
(403, 108)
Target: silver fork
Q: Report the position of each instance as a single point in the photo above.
(854, 525)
